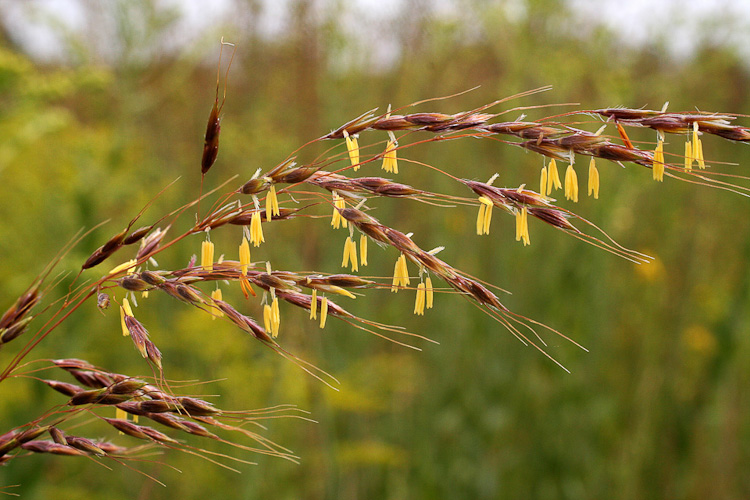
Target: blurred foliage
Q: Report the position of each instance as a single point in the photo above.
(657, 409)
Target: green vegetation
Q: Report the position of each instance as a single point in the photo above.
(657, 408)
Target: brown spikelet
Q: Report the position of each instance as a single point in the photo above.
(64, 387)
(53, 448)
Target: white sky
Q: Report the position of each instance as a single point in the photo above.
(673, 22)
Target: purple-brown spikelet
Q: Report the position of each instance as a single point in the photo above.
(86, 445)
(53, 448)
(64, 387)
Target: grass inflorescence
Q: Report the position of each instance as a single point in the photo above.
(339, 186)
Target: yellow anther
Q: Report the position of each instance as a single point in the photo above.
(487, 216)
(553, 177)
(244, 256)
(338, 203)
(429, 293)
(658, 162)
(350, 254)
(267, 319)
(400, 274)
(256, 230)
(480, 218)
(128, 266)
(353, 147)
(689, 159)
(215, 311)
(695, 137)
(593, 179)
(314, 304)
(341, 291)
(522, 226)
(699, 154)
(207, 256)
(543, 182)
(363, 250)
(420, 300)
(571, 184)
(275, 317)
(390, 162)
(272, 204)
(125, 310)
(323, 312)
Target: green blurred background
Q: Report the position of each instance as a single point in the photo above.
(94, 129)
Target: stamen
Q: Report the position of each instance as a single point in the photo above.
(314, 304)
(400, 274)
(128, 266)
(689, 159)
(125, 310)
(390, 162)
(525, 216)
(207, 256)
(267, 319)
(658, 162)
(553, 177)
(699, 155)
(272, 204)
(480, 219)
(363, 250)
(338, 203)
(543, 182)
(593, 179)
(353, 147)
(420, 300)
(350, 254)
(244, 256)
(429, 293)
(323, 312)
(215, 311)
(256, 230)
(522, 226)
(571, 184)
(275, 317)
